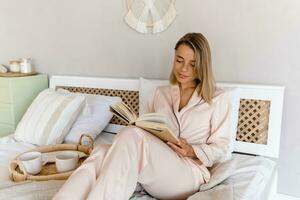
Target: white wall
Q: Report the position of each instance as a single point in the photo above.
(253, 41)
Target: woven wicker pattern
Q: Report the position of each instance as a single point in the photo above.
(253, 114)
(253, 121)
(131, 98)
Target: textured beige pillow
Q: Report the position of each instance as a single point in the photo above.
(49, 117)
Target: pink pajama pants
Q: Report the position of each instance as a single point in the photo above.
(112, 171)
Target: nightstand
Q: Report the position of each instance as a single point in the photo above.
(16, 94)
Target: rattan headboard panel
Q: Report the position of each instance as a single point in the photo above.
(253, 121)
(253, 114)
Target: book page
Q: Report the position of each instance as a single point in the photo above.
(154, 123)
(165, 135)
(132, 115)
(124, 112)
(154, 117)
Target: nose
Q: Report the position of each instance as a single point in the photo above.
(184, 67)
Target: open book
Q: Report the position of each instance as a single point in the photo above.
(154, 123)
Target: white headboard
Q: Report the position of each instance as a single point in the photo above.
(272, 94)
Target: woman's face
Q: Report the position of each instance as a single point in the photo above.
(184, 65)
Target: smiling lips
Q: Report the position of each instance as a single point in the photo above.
(182, 76)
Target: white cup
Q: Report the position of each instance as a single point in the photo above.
(66, 161)
(32, 162)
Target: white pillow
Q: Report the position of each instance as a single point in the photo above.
(94, 119)
(234, 94)
(49, 118)
(146, 88)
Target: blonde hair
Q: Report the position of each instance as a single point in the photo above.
(203, 66)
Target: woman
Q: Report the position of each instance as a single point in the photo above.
(198, 113)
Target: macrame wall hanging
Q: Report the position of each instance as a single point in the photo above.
(150, 16)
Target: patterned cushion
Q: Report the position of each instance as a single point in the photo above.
(49, 117)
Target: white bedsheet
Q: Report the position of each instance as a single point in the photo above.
(9, 148)
(242, 178)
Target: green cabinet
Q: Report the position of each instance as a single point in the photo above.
(16, 94)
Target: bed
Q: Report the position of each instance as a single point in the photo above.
(250, 174)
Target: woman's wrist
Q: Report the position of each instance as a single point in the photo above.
(192, 153)
(194, 156)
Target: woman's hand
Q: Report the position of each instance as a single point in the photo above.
(183, 148)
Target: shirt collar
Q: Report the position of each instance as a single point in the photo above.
(194, 100)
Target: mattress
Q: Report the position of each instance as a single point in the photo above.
(243, 177)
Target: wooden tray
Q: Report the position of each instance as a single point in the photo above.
(17, 74)
(48, 172)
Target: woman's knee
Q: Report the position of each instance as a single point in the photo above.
(131, 135)
(132, 132)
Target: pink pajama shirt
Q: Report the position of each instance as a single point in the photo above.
(112, 171)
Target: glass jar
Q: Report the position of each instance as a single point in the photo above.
(14, 66)
(25, 65)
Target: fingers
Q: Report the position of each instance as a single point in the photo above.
(173, 146)
(183, 147)
(183, 140)
(179, 150)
